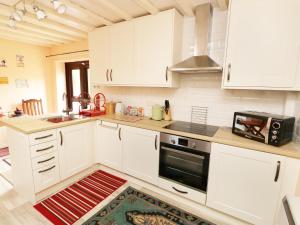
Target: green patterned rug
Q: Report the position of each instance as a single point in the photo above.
(133, 207)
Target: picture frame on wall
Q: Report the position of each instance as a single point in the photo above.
(3, 63)
(20, 60)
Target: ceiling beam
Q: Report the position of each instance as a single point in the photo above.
(89, 13)
(62, 18)
(147, 5)
(23, 40)
(118, 11)
(17, 37)
(221, 4)
(30, 18)
(186, 7)
(27, 34)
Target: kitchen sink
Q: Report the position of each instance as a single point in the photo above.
(60, 119)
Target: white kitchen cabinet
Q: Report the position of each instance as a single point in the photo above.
(263, 45)
(245, 184)
(137, 52)
(141, 153)
(99, 50)
(108, 145)
(157, 42)
(75, 147)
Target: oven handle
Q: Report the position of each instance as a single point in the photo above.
(182, 152)
(181, 192)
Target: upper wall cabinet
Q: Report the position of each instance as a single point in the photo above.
(137, 52)
(263, 45)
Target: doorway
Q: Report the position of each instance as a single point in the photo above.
(77, 83)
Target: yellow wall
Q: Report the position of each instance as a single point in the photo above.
(35, 71)
(72, 47)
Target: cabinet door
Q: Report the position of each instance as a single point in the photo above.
(75, 148)
(108, 145)
(99, 51)
(140, 153)
(245, 183)
(153, 52)
(121, 54)
(263, 44)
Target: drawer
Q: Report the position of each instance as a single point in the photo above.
(46, 176)
(42, 149)
(183, 191)
(44, 160)
(41, 137)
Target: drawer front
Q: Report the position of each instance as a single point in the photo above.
(46, 176)
(44, 160)
(41, 137)
(183, 191)
(42, 149)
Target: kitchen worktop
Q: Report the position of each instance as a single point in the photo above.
(28, 125)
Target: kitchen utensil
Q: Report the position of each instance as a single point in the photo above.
(119, 108)
(157, 112)
(167, 112)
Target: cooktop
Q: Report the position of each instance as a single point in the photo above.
(194, 128)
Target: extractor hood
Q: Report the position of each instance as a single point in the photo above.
(201, 62)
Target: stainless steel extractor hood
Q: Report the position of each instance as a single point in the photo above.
(201, 62)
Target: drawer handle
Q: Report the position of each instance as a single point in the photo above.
(43, 137)
(46, 160)
(43, 171)
(277, 171)
(45, 149)
(181, 192)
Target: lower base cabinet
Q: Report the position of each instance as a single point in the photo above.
(245, 184)
(141, 153)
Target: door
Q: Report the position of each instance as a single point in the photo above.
(75, 148)
(245, 183)
(77, 83)
(140, 153)
(108, 145)
(99, 52)
(263, 44)
(153, 52)
(121, 54)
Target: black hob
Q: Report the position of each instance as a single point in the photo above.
(194, 128)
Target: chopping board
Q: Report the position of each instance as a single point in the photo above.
(126, 118)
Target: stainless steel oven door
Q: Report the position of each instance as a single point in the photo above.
(185, 166)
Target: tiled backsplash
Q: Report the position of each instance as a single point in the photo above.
(205, 90)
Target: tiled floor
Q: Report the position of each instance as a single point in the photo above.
(16, 211)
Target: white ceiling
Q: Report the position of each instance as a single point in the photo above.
(82, 16)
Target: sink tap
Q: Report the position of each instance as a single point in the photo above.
(67, 111)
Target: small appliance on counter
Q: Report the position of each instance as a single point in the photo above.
(99, 107)
(167, 111)
(268, 128)
(157, 112)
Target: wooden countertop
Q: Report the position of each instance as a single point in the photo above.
(28, 125)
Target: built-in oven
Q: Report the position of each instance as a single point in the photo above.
(184, 160)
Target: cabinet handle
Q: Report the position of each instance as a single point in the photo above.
(61, 138)
(45, 149)
(167, 74)
(181, 192)
(120, 134)
(277, 171)
(43, 171)
(43, 137)
(107, 75)
(229, 72)
(155, 143)
(111, 75)
(46, 160)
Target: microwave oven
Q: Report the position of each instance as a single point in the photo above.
(268, 128)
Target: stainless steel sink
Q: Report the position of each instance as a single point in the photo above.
(60, 119)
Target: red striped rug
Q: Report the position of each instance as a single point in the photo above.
(70, 204)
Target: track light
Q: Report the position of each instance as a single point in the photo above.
(12, 22)
(40, 14)
(59, 7)
(18, 14)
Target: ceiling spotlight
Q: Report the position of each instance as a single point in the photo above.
(40, 14)
(12, 22)
(18, 14)
(59, 7)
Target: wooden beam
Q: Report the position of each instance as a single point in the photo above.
(62, 18)
(89, 13)
(186, 7)
(16, 37)
(221, 4)
(120, 12)
(30, 18)
(147, 5)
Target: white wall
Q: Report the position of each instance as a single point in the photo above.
(203, 90)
